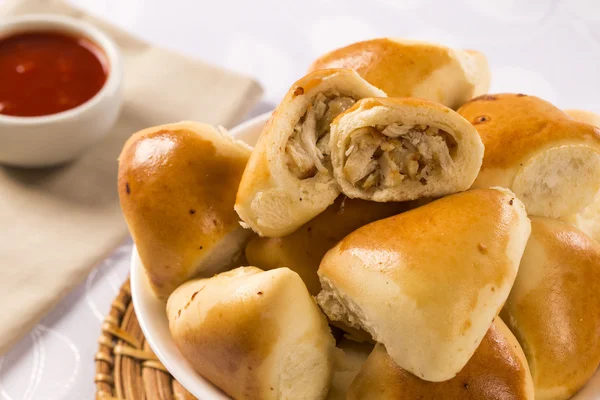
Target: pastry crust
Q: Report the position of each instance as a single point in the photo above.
(276, 196)
(413, 148)
(587, 117)
(181, 217)
(554, 308)
(550, 161)
(254, 334)
(427, 283)
(302, 250)
(405, 68)
(497, 370)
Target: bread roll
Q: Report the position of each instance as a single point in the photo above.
(550, 161)
(405, 68)
(497, 371)
(181, 217)
(254, 334)
(303, 250)
(587, 117)
(554, 308)
(428, 283)
(288, 180)
(394, 149)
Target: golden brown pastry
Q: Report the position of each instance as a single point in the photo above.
(427, 283)
(550, 161)
(405, 68)
(554, 308)
(587, 117)
(302, 250)
(288, 180)
(254, 334)
(497, 371)
(181, 217)
(398, 149)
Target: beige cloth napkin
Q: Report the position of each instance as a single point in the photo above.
(56, 224)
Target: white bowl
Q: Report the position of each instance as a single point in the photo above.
(151, 312)
(152, 317)
(57, 138)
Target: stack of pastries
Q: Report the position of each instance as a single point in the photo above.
(396, 233)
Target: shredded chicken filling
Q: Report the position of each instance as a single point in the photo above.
(385, 156)
(307, 151)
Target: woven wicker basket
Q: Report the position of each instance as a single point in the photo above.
(126, 367)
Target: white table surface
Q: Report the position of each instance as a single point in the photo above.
(549, 48)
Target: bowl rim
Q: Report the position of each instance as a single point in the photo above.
(67, 25)
(194, 383)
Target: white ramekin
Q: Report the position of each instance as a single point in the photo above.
(58, 138)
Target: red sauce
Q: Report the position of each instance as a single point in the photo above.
(44, 73)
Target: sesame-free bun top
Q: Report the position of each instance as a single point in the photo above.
(177, 186)
(554, 308)
(427, 283)
(254, 334)
(549, 160)
(405, 68)
(497, 371)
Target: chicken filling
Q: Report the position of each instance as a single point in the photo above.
(385, 156)
(307, 151)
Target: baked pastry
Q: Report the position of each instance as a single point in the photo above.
(550, 161)
(398, 149)
(427, 283)
(587, 117)
(554, 308)
(254, 334)
(181, 217)
(497, 371)
(405, 68)
(349, 361)
(302, 250)
(288, 180)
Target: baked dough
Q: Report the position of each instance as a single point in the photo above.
(428, 283)
(181, 217)
(497, 371)
(254, 334)
(587, 117)
(348, 363)
(288, 180)
(554, 308)
(398, 149)
(550, 161)
(406, 68)
(302, 250)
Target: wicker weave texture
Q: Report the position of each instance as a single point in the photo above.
(126, 367)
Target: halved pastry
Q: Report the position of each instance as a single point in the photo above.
(302, 250)
(549, 160)
(497, 371)
(406, 68)
(427, 283)
(288, 180)
(254, 334)
(587, 117)
(181, 217)
(397, 149)
(554, 308)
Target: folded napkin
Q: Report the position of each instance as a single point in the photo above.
(56, 224)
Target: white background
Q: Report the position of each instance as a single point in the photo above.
(549, 48)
